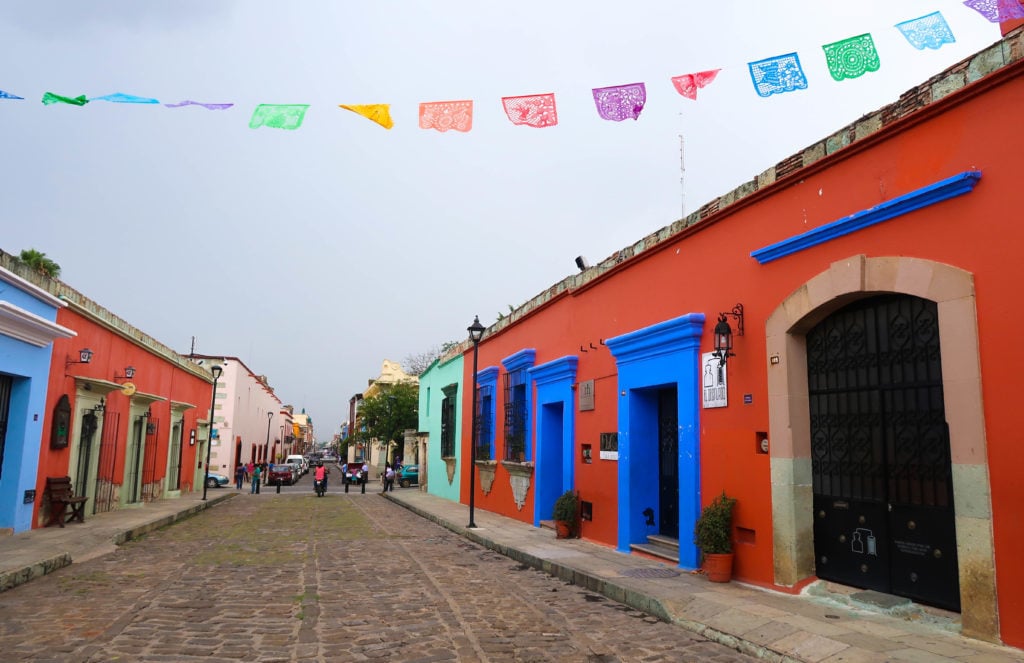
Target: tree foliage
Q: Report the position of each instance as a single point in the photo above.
(38, 262)
(387, 415)
(415, 364)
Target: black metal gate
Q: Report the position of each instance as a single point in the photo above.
(133, 469)
(883, 490)
(668, 463)
(107, 462)
(85, 439)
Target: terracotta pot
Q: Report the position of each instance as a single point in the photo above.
(718, 568)
(562, 529)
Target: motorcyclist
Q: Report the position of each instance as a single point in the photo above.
(321, 474)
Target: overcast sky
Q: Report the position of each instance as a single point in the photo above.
(315, 254)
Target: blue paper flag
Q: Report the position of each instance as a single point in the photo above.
(777, 75)
(122, 98)
(8, 95)
(929, 31)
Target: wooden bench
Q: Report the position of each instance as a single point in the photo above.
(64, 506)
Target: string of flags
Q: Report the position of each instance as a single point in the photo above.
(846, 59)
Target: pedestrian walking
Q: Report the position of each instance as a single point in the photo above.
(239, 476)
(389, 478)
(364, 474)
(255, 490)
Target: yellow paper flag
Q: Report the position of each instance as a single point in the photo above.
(379, 113)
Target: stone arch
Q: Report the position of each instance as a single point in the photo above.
(857, 277)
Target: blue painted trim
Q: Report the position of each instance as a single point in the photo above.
(522, 359)
(556, 446)
(648, 359)
(555, 370)
(487, 383)
(915, 200)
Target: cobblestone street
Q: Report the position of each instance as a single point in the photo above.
(290, 577)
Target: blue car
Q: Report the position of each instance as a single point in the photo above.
(409, 475)
(216, 480)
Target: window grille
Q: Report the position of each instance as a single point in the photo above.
(448, 421)
(515, 417)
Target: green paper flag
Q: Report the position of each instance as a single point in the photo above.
(851, 57)
(51, 98)
(278, 116)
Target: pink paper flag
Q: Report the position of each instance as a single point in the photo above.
(687, 84)
(534, 110)
(445, 115)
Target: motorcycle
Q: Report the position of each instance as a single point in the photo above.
(319, 487)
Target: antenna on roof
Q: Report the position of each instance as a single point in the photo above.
(682, 179)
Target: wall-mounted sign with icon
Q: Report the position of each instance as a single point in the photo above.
(714, 383)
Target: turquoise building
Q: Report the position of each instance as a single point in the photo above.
(440, 416)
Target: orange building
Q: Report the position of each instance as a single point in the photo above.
(863, 419)
(126, 417)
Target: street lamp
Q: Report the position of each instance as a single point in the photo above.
(216, 370)
(476, 332)
(270, 415)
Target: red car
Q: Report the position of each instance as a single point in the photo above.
(280, 473)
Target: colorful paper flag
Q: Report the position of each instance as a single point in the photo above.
(51, 98)
(189, 102)
(121, 98)
(777, 75)
(997, 11)
(278, 116)
(851, 58)
(687, 84)
(928, 31)
(445, 115)
(8, 95)
(533, 110)
(379, 113)
(620, 102)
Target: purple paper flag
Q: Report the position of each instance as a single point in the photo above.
(8, 95)
(620, 102)
(189, 102)
(777, 75)
(929, 31)
(997, 11)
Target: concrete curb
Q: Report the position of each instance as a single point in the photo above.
(11, 579)
(616, 592)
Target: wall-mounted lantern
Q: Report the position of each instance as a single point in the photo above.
(723, 333)
(129, 373)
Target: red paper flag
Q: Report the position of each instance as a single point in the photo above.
(687, 84)
(534, 110)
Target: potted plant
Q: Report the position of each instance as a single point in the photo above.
(564, 515)
(713, 535)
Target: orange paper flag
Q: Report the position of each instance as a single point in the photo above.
(379, 113)
(445, 115)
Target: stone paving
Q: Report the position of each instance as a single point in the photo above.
(292, 577)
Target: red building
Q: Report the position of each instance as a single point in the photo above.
(864, 419)
(130, 424)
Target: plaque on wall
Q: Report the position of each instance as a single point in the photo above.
(586, 392)
(61, 424)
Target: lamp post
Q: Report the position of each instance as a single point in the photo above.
(476, 332)
(216, 370)
(270, 415)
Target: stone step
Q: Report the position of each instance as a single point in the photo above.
(667, 553)
(659, 540)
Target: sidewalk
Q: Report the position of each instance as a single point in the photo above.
(37, 552)
(770, 625)
(766, 624)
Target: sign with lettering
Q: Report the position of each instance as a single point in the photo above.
(714, 383)
(586, 392)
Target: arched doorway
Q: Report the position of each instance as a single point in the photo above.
(880, 462)
(846, 281)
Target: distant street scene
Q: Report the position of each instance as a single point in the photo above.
(291, 577)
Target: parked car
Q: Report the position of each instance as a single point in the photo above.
(282, 473)
(216, 480)
(409, 475)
